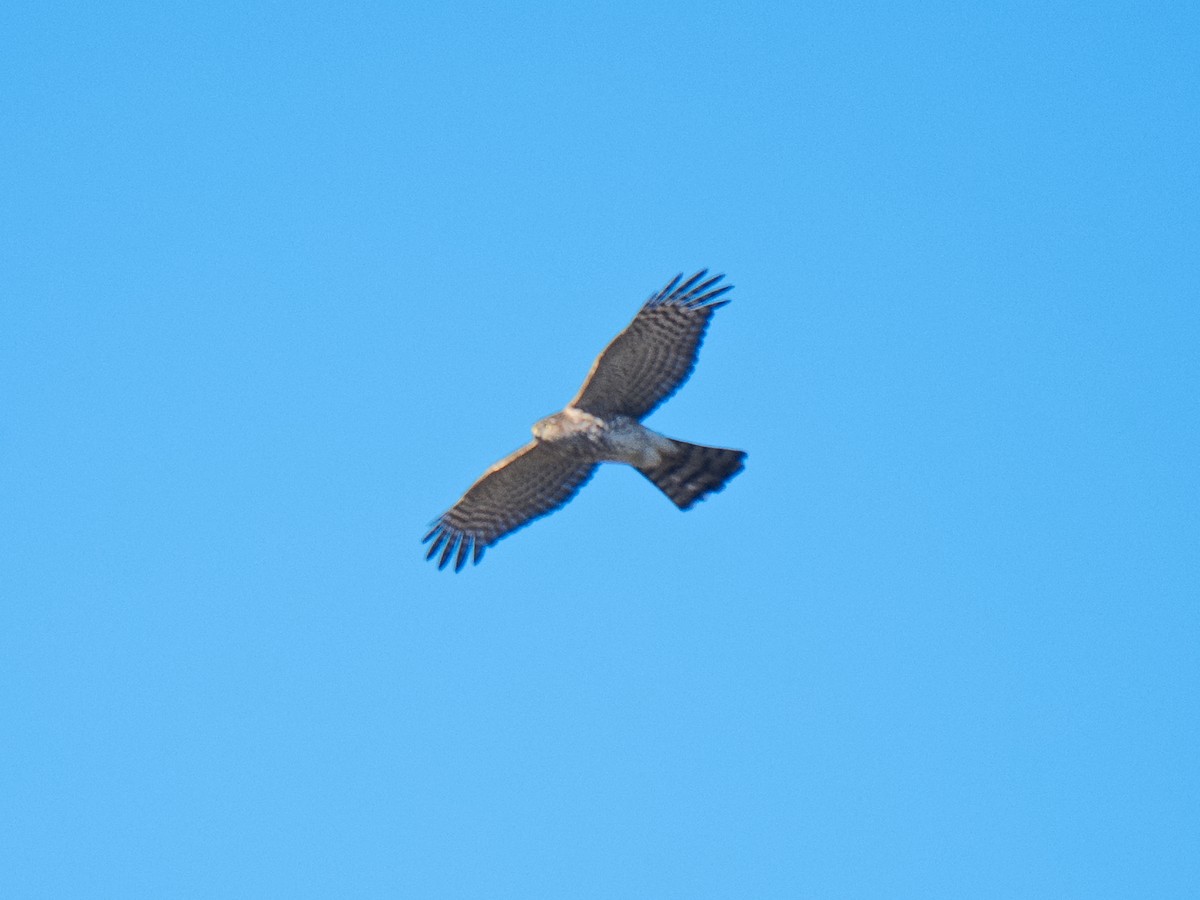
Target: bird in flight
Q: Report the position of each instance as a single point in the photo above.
(643, 366)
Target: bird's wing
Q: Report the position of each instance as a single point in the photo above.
(534, 481)
(649, 361)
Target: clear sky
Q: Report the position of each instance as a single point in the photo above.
(279, 281)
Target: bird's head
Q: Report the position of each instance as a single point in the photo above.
(547, 429)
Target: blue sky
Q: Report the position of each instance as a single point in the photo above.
(281, 280)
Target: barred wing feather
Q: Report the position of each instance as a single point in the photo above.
(652, 358)
(535, 480)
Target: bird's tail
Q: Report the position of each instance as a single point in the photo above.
(688, 472)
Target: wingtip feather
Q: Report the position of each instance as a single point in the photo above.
(666, 292)
(437, 545)
(693, 293)
(687, 285)
(449, 551)
(463, 549)
(704, 301)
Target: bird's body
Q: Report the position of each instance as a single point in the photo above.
(616, 439)
(642, 367)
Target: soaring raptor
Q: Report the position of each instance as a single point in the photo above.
(643, 366)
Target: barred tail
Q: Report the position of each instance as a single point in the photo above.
(690, 471)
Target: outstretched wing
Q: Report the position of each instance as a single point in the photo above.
(649, 361)
(534, 481)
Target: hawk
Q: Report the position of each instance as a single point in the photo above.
(643, 366)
